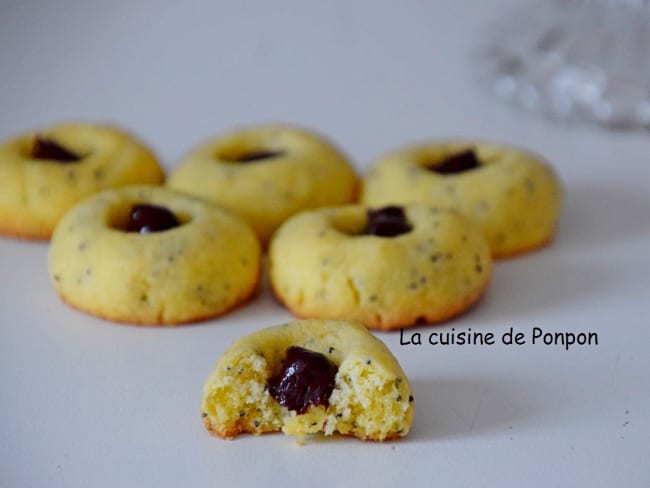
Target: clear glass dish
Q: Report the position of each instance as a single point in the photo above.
(577, 60)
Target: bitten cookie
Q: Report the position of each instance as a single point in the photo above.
(267, 173)
(514, 195)
(306, 377)
(45, 173)
(150, 255)
(390, 267)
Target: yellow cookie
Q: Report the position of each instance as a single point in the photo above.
(150, 255)
(309, 376)
(45, 173)
(267, 173)
(514, 195)
(389, 268)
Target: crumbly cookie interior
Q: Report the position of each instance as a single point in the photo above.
(372, 398)
(365, 402)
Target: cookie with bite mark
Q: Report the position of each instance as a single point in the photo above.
(308, 377)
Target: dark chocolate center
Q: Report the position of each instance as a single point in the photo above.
(307, 378)
(50, 150)
(145, 218)
(386, 222)
(255, 156)
(457, 163)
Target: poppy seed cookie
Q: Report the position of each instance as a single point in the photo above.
(150, 255)
(267, 173)
(46, 172)
(346, 380)
(390, 267)
(512, 194)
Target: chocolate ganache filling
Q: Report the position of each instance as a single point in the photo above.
(307, 378)
(145, 218)
(457, 163)
(49, 150)
(388, 221)
(255, 156)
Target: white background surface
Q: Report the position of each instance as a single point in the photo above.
(84, 402)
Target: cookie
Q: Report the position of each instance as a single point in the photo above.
(389, 267)
(514, 195)
(45, 173)
(150, 255)
(307, 377)
(267, 173)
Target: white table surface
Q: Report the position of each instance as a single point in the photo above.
(85, 402)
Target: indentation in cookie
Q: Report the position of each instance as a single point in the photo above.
(388, 221)
(50, 150)
(307, 378)
(145, 218)
(456, 163)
